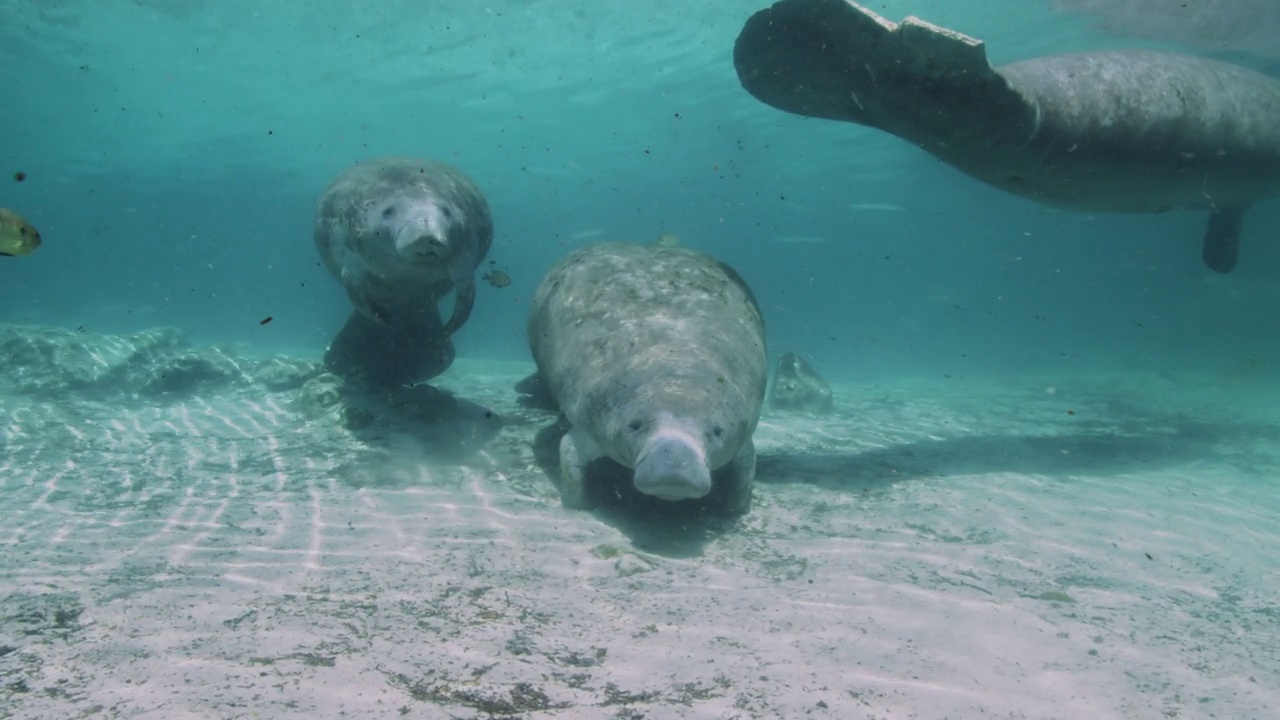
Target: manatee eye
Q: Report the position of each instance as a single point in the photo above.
(389, 211)
(635, 425)
(717, 431)
(447, 212)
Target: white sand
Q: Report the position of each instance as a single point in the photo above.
(942, 549)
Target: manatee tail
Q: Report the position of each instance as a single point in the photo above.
(834, 59)
(673, 466)
(401, 351)
(1222, 239)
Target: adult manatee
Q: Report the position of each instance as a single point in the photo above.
(655, 355)
(1129, 131)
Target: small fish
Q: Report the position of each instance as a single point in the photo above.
(669, 239)
(17, 236)
(497, 278)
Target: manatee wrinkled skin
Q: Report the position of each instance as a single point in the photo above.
(1117, 131)
(399, 234)
(655, 356)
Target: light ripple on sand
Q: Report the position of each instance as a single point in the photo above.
(893, 565)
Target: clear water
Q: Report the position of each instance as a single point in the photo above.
(174, 150)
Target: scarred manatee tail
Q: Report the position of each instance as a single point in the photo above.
(673, 466)
(837, 60)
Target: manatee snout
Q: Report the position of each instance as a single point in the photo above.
(422, 246)
(673, 466)
(423, 231)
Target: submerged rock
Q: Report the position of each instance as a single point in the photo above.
(798, 387)
(50, 360)
(326, 398)
(282, 374)
(187, 374)
(320, 396)
(158, 363)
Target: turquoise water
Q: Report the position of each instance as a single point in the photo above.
(174, 152)
(1047, 490)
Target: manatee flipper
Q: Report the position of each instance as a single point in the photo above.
(734, 481)
(577, 450)
(535, 394)
(464, 298)
(1222, 239)
(462, 271)
(393, 350)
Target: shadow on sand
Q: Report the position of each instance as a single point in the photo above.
(681, 529)
(409, 428)
(1105, 449)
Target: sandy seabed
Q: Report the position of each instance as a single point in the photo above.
(1068, 547)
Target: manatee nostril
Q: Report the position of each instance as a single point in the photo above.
(430, 246)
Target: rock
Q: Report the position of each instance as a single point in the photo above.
(283, 374)
(798, 387)
(321, 396)
(155, 364)
(186, 374)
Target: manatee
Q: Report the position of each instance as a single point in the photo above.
(399, 233)
(655, 357)
(797, 386)
(1118, 131)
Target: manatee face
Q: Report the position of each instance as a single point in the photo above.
(674, 443)
(417, 229)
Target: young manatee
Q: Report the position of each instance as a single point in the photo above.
(398, 234)
(655, 355)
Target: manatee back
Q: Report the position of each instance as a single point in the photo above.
(1146, 131)
(611, 318)
(1117, 131)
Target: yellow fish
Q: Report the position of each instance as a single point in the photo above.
(497, 278)
(669, 239)
(17, 236)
